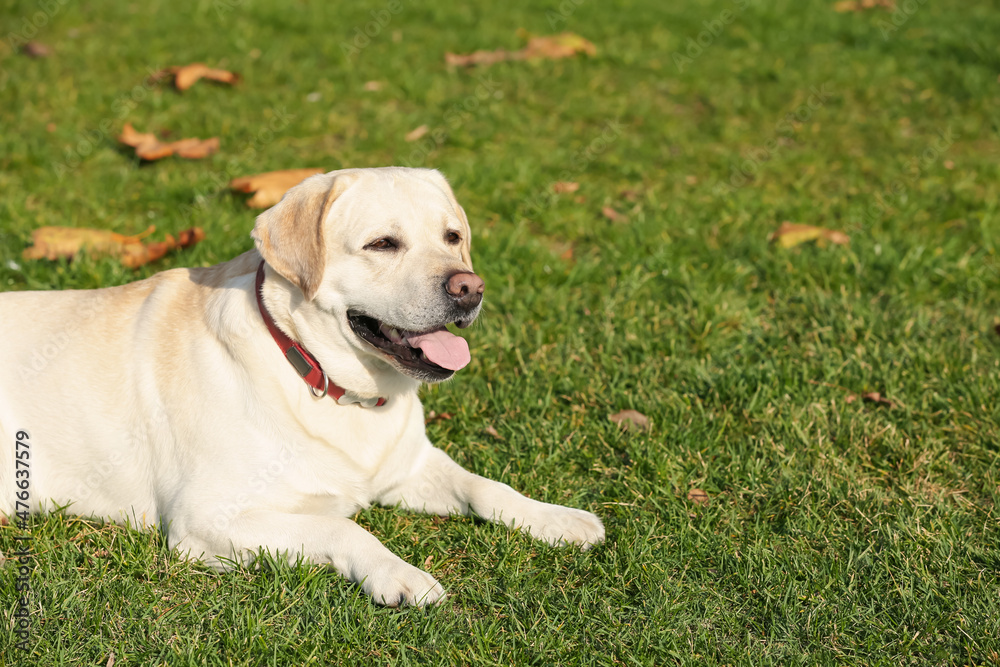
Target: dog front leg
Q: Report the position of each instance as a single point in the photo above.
(344, 545)
(438, 485)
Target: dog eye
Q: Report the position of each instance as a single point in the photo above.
(452, 238)
(382, 244)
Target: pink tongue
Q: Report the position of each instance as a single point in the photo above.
(443, 348)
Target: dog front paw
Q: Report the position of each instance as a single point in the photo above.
(561, 526)
(400, 584)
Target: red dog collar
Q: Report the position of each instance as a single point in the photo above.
(304, 363)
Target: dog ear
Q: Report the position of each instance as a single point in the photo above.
(435, 177)
(290, 236)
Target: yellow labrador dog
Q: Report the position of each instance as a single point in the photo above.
(263, 401)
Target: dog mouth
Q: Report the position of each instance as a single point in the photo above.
(428, 355)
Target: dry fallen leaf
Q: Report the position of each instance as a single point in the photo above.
(551, 47)
(55, 242)
(629, 419)
(492, 432)
(876, 397)
(36, 50)
(478, 57)
(433, 416)
(612, 215)
(790, 234)
(373, 85)
(861, 5)
(560, 187)
(187, 75)
(270, 186)
(136, 254)
(416, 133)
(698, 496)
(148, 147)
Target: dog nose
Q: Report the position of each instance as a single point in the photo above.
(466, 289)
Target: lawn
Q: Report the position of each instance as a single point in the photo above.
(833, 529)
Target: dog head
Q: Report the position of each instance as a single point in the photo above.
(385, 253)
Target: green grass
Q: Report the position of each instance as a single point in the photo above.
(838, 532)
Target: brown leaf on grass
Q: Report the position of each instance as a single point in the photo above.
(477, 58)
(417, 132)
(559, 187)
(270, 186)
(36, 50)
(433, 417)
(791, 234)
(698, 497)
(629, 419)
(553, 47)
(186, 76)
(549, 47)
(876, 397)
(612, 215)
(492, 432)
(55, 242)
(862, 5)
(148, 147)
(135, 255)
(373, 86)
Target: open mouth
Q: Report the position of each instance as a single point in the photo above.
(428, 355)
